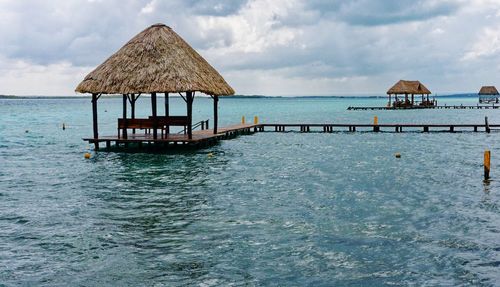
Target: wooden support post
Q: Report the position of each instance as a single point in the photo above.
(487, 158)
(475, 128)
(132, 108)
(426, 129)
(167, 108)
(216, 116)
(155, 119)
(189, 102)
(486, 125)
(124, 131)
(94, 121)
(167, 112)
(452, 129)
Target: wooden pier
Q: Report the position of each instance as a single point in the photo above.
(443, 107)
(204, 138)
(199, 138)
(398, 128)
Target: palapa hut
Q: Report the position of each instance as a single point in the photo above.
(408, 88)
(155, 61)
(488, 94)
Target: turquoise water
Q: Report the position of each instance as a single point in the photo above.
(268, 209)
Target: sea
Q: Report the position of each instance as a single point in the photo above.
(266, 209)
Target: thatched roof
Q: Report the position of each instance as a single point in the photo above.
(409, 87)
(488, 90)
(156, 60)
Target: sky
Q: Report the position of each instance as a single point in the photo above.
(262, 47)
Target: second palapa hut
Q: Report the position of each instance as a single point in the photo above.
(156, 61)
(488, 94)
(409, 89)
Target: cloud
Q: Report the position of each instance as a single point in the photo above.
(487, 45)
(20, 77)
(254, 29)
(373, 13)
(261, 46)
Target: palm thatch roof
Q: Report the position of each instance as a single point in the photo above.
(488, 90)
(409, 87)
(156, 60)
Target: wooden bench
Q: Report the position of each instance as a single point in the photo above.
(143, 124)
(163, 123)
(172, 121)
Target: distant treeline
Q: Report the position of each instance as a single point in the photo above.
(463, 95)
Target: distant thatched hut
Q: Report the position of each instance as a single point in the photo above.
(408, 88)
(157, 60)
(488, 94)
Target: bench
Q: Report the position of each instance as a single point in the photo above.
(163, 123)
(180, 121)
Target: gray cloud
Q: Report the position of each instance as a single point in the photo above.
(370, 13)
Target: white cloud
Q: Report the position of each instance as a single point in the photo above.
(20, 77)
(254, 28)
(487, 45)
(149, 8)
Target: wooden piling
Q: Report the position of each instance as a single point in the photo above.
(487, 157)
(153, 112)
(124, 131)
(94, 120)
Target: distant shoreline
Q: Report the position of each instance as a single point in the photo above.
(461, 95)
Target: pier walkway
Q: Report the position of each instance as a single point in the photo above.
(203, 138)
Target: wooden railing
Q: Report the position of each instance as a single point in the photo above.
(201, 124)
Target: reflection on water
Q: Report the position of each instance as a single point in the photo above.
(289, 209)
(486, 185)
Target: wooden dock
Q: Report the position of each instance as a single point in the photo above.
(200, 138)
(443, 107)
(204, 138)
(398, 128)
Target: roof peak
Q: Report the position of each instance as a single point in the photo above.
(160, 25)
